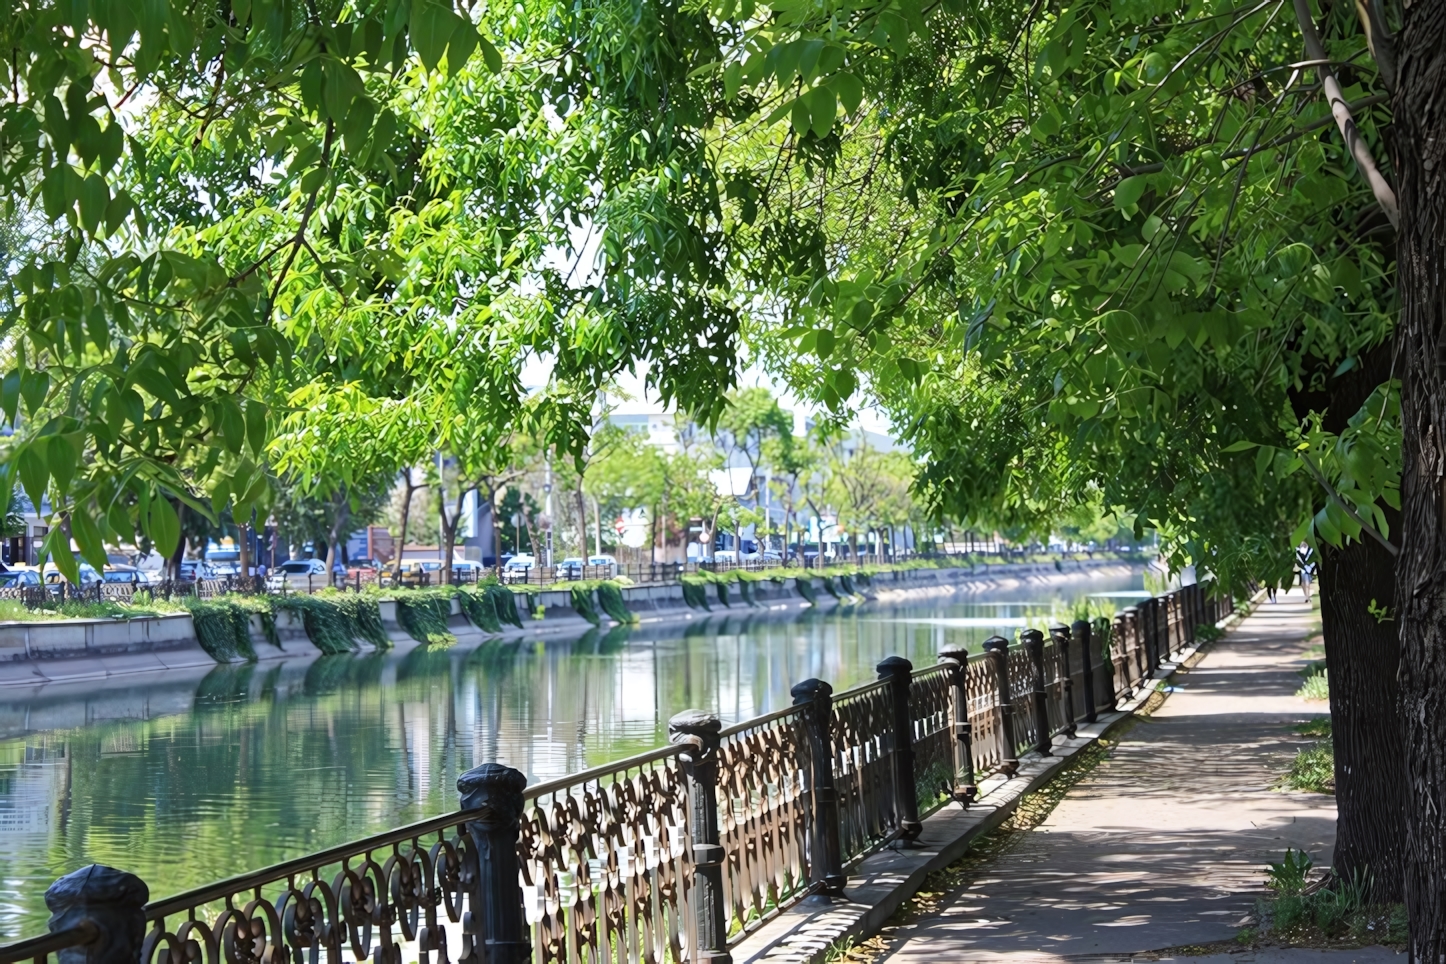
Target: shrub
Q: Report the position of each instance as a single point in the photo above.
(363, 618)
(1208, 632)
(745, 591)
(1312, 770)
(610, 597)
(504, 602)
(478, 608)
(846, 584)
(424, 615)
(222, 628)
(325, 626)
(694, 594)
(582, 603)
(804, 585)
(829, 587)
(722, 588)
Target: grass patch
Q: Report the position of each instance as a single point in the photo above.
(1318, 727)
(1317, 683)
(1313, 770)
(1329, 911)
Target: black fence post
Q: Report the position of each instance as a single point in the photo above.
(1060, 634)
(111, 903)
(498, 921)
(997, 649)
(825, 854)
(699, 732)
(1082, 633)
(965, 789)
(1033, 641)
(899, 672)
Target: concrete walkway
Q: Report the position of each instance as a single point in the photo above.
(1165, 843)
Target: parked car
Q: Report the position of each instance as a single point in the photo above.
(772, 557)
(126, 575)
(296, 574)
(197, 570)
(607, 564)
(571, 568)
(518, 568)
(726, 555)
(88, 575)
(467, 570)
(19, 577)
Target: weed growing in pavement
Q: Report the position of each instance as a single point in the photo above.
(1313, 770)
(1317, 684)
(1329, 911)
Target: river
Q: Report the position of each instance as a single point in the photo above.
(184, 779)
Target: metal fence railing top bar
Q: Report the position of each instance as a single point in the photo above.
(665, 857)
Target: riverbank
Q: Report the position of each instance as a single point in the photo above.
(56, 651)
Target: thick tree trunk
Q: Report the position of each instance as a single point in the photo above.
(1363, 654)
(1419, 140)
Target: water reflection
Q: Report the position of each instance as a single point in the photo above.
(183, 779)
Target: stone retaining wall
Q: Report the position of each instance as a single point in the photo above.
(43, 651)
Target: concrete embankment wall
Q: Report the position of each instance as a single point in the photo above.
(37, 653)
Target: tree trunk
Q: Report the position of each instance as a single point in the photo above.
(411, 490)
(449, 532)
(1363, 656)
(597, 528)
(337, 533)
(1419, 139)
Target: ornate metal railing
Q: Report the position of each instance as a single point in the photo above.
(662, 858)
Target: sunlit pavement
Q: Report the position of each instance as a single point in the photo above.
(1165, 843)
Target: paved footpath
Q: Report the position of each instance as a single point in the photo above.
(1165, 843)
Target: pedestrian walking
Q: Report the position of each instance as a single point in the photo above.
(1306, 562)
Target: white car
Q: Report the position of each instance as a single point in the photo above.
(19, 577)
(518, 568)
(299, 573)
(608, 564)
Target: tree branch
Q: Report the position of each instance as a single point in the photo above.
(1315, 50)
(1346, 507)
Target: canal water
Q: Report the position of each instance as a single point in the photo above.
(187, 778)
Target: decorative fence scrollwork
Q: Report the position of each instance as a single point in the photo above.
(662, 858)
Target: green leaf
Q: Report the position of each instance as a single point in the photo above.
(57, 547)
(94, 197)
(34, 471)
(255, 425)
(10, 395)
(62, 454)
(233, 424)
(850, 91)
(1263, 457)
(34, 386)
(164, 525)
(87, 536)
(1240, 446)
(490, 55)
(1129, 191)
(432, 26)
(823, 343)
(459, 49)
(823, 108)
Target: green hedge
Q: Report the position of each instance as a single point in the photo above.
(328, 628)
(610, 598)
(829, 587)
(504, 601)
(582, 603)
(363, 618)
(695, 594)
(478, 608)
(847, 585)
(804, 585)
(745, 590)
(222, 628)
(722, 588)
(424, 616)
